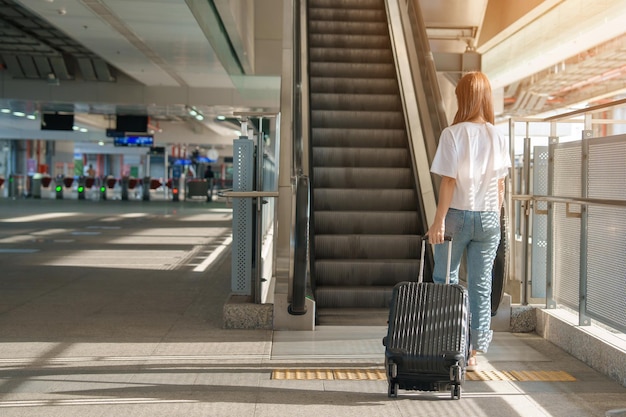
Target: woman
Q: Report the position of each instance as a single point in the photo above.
(473, 160)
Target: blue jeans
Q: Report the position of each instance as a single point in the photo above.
(479, 233)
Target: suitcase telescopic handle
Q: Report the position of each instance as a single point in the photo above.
(420, 277)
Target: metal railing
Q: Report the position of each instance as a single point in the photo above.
(568, 211)
(263, 195)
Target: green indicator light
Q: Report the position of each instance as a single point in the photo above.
(58, 188)
(11, 179)
(102, 189)
(81, 189)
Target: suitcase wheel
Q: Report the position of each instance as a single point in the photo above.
(455, 391)
(393, 389)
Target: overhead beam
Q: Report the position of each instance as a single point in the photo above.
(259, 92)
(457, 63)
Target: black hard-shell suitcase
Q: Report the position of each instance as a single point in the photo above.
(427, 343)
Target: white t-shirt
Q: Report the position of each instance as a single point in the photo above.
(476, 155)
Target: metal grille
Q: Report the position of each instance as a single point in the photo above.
(566, 242)
(606, 268)
(243, 180)
(606, 277)
(540, 223)
(567, 170)
(607, 170)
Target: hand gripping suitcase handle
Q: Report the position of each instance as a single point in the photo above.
(420, 277)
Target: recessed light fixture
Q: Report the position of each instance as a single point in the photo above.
(31, 117)
(6, 111)
(19, 114)
(220, 117)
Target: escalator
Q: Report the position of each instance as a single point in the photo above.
(366, 217)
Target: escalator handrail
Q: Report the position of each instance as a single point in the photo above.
(300, 161)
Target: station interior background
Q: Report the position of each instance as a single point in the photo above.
(192, 66)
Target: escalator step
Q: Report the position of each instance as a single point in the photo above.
(371, 272)
(365, 222)
(381, 178)
(351, 4)
(357, 102)
(357, 119)
(367, 247)
(373, 138)
(350, 55)
(348, 41)
(353, 297)
(346, 15)
(351, 70)
(350, 28)
(353, 85)
(360, 157)
(346, 199)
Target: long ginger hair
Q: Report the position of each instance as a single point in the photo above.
(473, 95)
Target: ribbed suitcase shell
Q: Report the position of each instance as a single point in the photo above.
(428, 334)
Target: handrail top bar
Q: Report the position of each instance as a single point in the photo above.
(586, 110)
(574, 200)
(249, 194)
(256, 113)
(568, 115)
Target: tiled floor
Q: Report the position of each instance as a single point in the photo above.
(81, 340)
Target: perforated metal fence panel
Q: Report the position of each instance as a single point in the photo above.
(242, 246)
(566, 236)
(606, 264)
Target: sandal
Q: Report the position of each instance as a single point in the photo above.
(472, 364)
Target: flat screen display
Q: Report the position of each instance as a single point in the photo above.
(134, 141)
(55, 121)
(131, 123)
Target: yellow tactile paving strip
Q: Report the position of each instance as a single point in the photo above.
(331, 374)
(521, 376)
(379, 374)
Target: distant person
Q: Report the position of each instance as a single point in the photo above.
(91, 172)
(209, 176)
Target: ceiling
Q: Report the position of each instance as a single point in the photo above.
(163, 58)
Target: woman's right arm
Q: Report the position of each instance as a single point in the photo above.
(438, 228)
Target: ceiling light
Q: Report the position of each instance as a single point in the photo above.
(74, 127)
(31, 117)
(192, 112)
(101, 143)
(5, 111)
(199, 117)
(220, 117)
(83, 130)
(19, 114)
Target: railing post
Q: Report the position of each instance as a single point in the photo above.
(583, 319)
(550, 300)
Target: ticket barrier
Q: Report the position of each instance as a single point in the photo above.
(38, 183)
(107, 184)
(128, 184)
(149, 185)
(174, 186)
(60, 184)
(84, 184)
